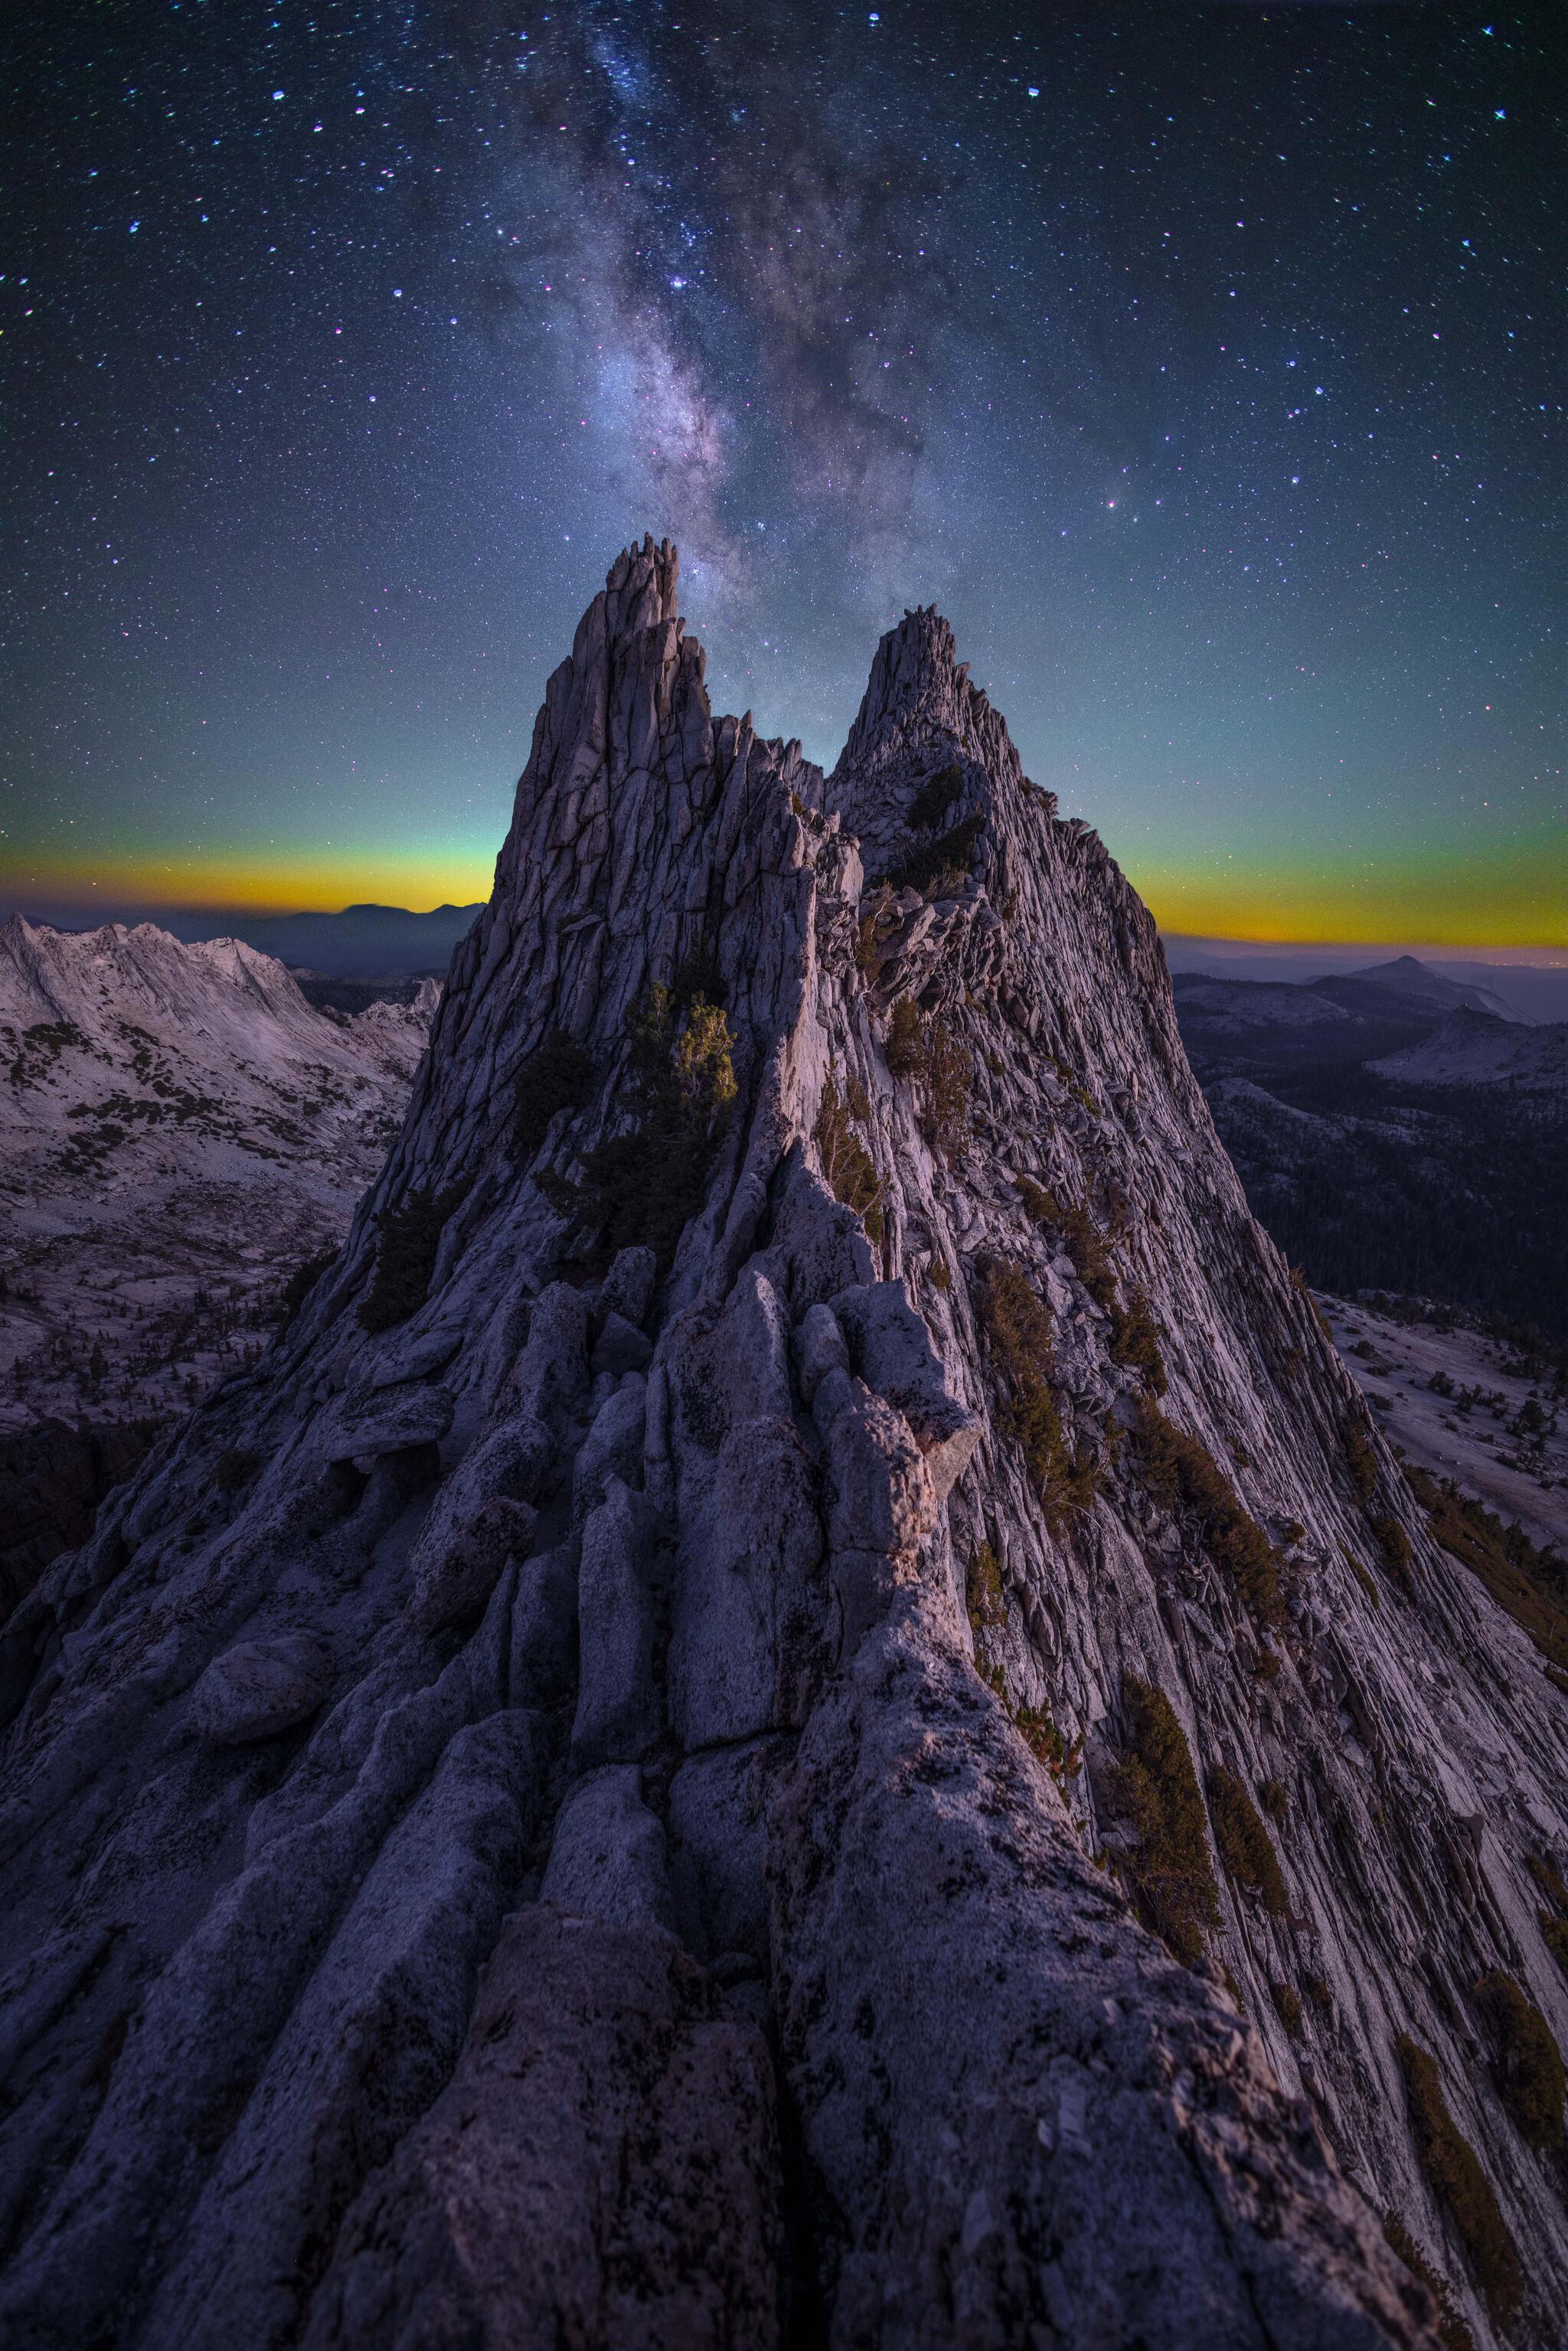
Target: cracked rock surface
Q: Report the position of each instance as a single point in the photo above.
(625, 1829)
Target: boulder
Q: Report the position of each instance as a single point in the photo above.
(607, 1858)
(259, 1688)
(390, 1420)
(819, 1347)
(618, 1714)
(891, 1349)
(454, 1584)
(620, 1347)
(881, 1496)
(602, 2169)
(612, 1447)
(629, 1286)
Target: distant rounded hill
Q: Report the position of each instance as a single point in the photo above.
(1419, 986)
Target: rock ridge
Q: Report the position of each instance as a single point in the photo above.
(818, 1716)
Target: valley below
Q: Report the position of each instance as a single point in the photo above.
(1395, 1131)
(1462, 1406)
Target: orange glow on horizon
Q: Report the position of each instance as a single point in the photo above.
(261, 886)
(1518, 900)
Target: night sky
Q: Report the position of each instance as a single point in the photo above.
(1204, 365)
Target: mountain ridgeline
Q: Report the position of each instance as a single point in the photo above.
(801, 1705)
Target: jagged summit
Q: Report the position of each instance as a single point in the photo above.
(920, 717)
(916, 680)
(806, 1707)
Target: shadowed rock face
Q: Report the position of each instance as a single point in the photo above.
(647, 1918)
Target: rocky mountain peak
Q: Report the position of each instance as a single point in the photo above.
(802, 1704)
(922, 727)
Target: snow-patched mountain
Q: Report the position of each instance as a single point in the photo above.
(802, 1706)
(178, 1129)
(1473, 1049)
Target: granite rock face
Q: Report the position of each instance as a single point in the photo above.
(861, 1531)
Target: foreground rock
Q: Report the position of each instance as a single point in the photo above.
(896, 1763)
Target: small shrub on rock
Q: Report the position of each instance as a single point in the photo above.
(947, 1081)
(983, 1590)
(930, 1057)
(1046, 1743)
(1452, 2332)
(1527, 2065)
(848, 1168)
(1555, 1933)
(1245, 1846)
(936, 797)
(1039, 1205)
(933, 866)
(1453, 2172)
(1080, 1237)
(1395, 1545)
(1170, 1873)
(1361, 1461)
(406, 1249)
(1553, 1919)
(557, 1075)
(1366, 1583)
(1526, 1581)
(702, 1064)
(1287, 2009)
(642, 1188)
(1181, 1471)
(880, 918)
(1275, 1799)
(1016, 1327)
(299, 1285)
(905, 1047)
(1135, 1341)
(1015, 1319)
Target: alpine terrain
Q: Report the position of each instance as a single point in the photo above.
(801, 1706)
(179, 1130)
(1395, 1130)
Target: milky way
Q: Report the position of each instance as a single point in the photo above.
(1204, 364)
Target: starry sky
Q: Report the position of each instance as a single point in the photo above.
(1204, 364)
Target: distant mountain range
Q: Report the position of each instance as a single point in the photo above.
(374, 943)
(1528, 991)
(1395, 1128)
